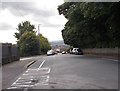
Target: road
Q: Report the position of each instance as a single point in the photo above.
(66, 71)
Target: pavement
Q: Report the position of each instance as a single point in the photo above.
(66, 71)
(11, 71)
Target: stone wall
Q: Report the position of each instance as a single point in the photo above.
(103, 52)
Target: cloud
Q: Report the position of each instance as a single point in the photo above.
(52, 25)
(26, 8)
(46, 22)
(41, 14)
(5, 27)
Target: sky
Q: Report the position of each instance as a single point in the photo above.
(43, 12)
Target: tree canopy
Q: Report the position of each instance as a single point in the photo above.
(44, 44)
(30, 43)
(91, 25)
(23, 27)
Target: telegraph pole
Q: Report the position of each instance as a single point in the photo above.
(39, 36)
(39, 29)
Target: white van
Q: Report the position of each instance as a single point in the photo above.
(77, 51)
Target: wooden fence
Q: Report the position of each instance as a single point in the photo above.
(10, 53)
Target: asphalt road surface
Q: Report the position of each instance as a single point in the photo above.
(66, 71)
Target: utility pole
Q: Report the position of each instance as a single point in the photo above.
(39, 29)
(39, 36)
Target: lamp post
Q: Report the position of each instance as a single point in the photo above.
(39, 29)
(39, 36)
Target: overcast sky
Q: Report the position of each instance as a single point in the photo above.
(44, 12)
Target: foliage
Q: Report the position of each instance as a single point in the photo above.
(44, 44)
(30, 43)
(91, 25)
(23, 27)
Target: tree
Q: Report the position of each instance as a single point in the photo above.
(91, 25)
(23, 27)
(44, 44)
(29, 44)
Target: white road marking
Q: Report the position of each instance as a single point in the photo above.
(23, 85)
(49, 70)
(47, 78)
(41, 64)
(12, 87)
(25, 58)
(44, 81)
(16, 81)
(111, 59)
(26, 84)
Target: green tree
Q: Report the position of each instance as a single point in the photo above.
(44, 44)
(29, 44)
(23, 27)
(91, 24)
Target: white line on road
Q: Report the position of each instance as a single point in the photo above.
(41, 64)
(49, 70)
(111, 59)
(25, 58)
(15, 85)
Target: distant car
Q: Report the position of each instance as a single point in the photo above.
(56, 52)
(71, 51)
(63, 52)
(50, 52)
(77, 51)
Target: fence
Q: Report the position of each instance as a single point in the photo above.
(103, 52)
(10, 53)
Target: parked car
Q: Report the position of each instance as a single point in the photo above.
(50, 52)
(63, 52)
(56, 52)
(71, 51)
(77, 51)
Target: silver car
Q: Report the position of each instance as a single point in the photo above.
(50, 52)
